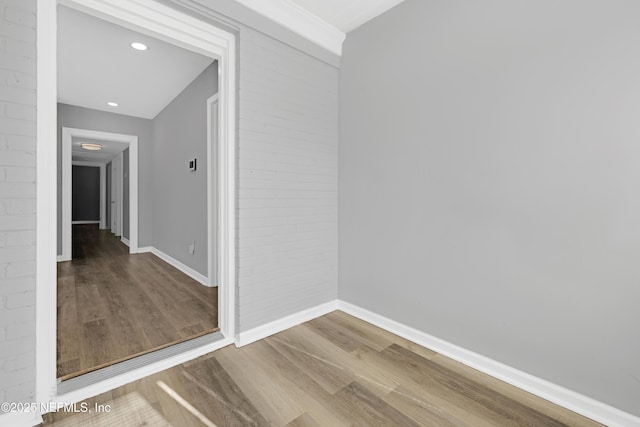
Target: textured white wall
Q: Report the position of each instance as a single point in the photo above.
(288, 166)
(17, 199)
(288, 181)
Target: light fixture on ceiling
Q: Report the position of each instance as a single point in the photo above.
(112, 104)
(139, 46)
(91, 147)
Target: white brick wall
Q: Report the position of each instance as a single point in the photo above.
(288, 178)
(288, 181)
(17, 199)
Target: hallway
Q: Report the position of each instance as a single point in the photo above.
(113, 306)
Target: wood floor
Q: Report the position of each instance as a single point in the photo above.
(333, 371)
(113, 306)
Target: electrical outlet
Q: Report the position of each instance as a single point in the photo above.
(192, 248)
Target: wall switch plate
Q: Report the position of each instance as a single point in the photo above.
(192, 248)
(192, 165)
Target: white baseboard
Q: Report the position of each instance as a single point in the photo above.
(271, 328)
(20, 419)
(566, 398)
(151, 368)
(126, 241)
(177, 264)
(60, 258)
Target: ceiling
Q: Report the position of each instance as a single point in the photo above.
(346, 15)
(110, 150)
(324, 22)
(96, 65)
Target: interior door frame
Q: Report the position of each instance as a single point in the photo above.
(68, 134)
(114, 199)
(213, 246)
(168, 24)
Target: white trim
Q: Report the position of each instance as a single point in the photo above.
(127, 242)
(66, 196)
(120, 193)
(284, 323)
(202, 279)
(172, 26)
(300, 21)
(150, 369)
(566, 398)
(116, 195)
(103, 196)
(96, 163)
(115, 203)
(364, 13)
(212, 190)
(85, 222)
(67, 138)
(46, 200)
(554, 393)
(19, 419)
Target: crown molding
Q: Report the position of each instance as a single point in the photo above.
(300, 21)
(351, 21)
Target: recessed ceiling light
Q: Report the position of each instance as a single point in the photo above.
(91, 147)
(112, 104)
(139, 46)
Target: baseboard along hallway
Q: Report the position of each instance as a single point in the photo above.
(113, 306)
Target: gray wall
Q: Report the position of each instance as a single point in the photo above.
(179, 195)
(489, 182)
(85, 198)
(85, 118)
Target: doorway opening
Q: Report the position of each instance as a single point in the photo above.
(112, 152)
(157, 20)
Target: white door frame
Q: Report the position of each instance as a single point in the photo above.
(117, 195)
(68, 134)
(103, 188)
(167, 24)
(213, 243)
(113, 202)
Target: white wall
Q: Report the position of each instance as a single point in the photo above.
(287, 203)
(288, 181)
(17, 199)
(489, 179)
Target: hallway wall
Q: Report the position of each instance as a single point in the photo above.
(86, 118)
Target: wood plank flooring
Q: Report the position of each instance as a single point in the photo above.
(113, 306)
(332, 371)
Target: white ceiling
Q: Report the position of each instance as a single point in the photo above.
(347, 15)
(110, 150)
(96, 65)
(324, 22)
